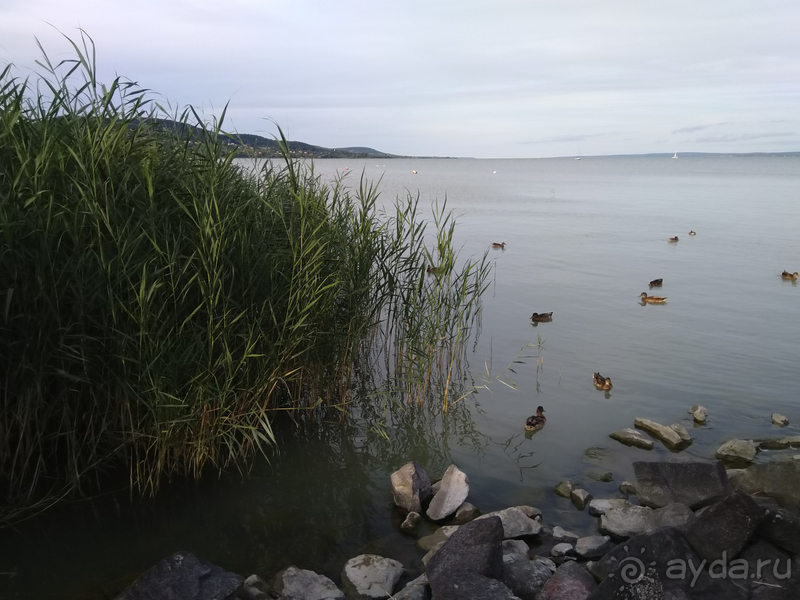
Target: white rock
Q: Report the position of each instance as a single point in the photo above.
(371, 576)
(563, 549)
(657, 430)
(305, 585)
(779, 419)
(632, 437)
(600, 506)
(562, 535)
(410, 487)
(681, 431)
(451, 494)
(515, 522)
(737, 451)
(699, 413)
(593, 546)
(580, 498)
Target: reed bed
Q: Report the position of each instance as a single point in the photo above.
(158, 303)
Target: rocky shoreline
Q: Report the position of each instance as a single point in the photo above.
(683, 530)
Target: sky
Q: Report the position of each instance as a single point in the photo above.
(489, 79)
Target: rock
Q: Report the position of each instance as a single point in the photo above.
(593, 546)
(661, 432)
(632, 437)
(410, 487)
(699, 413)
(305, 585)
(411, 521)
(184, 576)
(580, 498)
(515, 547)
(647, 567)
(562, 549)
(724, 527)
(255, 588)
(515, 522)
(465, 513)
(564, 488)
(435, 487)
(773, 575)
(562, 535)
(779, 419)
(694, 484)
(774, 444)
(602, 476)
(418, 589)
(737, 452)
(570, 582)
(436, 538)
(779, 480)
(451, 495)
(370, 576)
(627, 488)
(599, 506)
(472, 586)
(430, 554)
(781, 528)
(530, 511)
(631, 521)
(475, 548)
(681, 431)
(526, 578)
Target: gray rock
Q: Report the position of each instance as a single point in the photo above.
(465, 513)
(183, 576)
(370, 576)
(627, 488)
(473, 550)
(632, 437)
(631, 521)
(451, 495)
(661, 432)
(526, 578)
(530, 511)
(564, 488)
(435, 487)
(781, 528)
(562, 535)
(255, 588)
(774, 444)
(418, 589)
(305, 585)
(681, 431)
(778, 577)
(779, 480)
(411, 521)
(410, 487)
(562, 549)
(699, 413)
(694, 484)
(570, 582)
(593, 546)
(737, 452)
(515, 522)
(779, 419)
(724, 527)
(472, 586)
(600, 506)
(515, 547)
(580, 498)
(437, 538)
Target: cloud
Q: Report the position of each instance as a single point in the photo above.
(700, 127)
(744, 137)
(565, 138)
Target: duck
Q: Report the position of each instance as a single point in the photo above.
(673, 239)
(656, 283)
(433, 270)
(652, 299)
(787, 275)
(542, 318)
(537, 421)
(692, 232)
(501, 246)
(602, 383)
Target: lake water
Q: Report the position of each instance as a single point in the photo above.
(583, 240)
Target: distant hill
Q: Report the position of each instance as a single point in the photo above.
(251, 145)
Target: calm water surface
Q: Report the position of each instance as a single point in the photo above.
(583, 240)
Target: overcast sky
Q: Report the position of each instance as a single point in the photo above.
(496, 78)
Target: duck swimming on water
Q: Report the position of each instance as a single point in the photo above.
(602, 383)
(656, 283)
(542, 318)
(652, 299)
(692, 233)
(501, 246)
(673, 239)
(787, 275)
(537, 421)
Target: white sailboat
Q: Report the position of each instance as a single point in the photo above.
(579, 154)
(676, 155)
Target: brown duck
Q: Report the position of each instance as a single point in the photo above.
(602, 383)
(542, 318)
(652, 299)
(537, 421)
(656, 283)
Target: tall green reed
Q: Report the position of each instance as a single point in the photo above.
(158, 302)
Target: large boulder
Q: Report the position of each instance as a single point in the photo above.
(410, 487)
(302, 584)
(770, 573)
(694, 484)
(183, 576)
(472, 586)
(737, 452)
(782, 528)
(570, 582)
(629, 521)
(515, 522)
(526, 578)
(370, 576)
(452, 493)
(724, 527)
(780, 480)
(475, 548)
